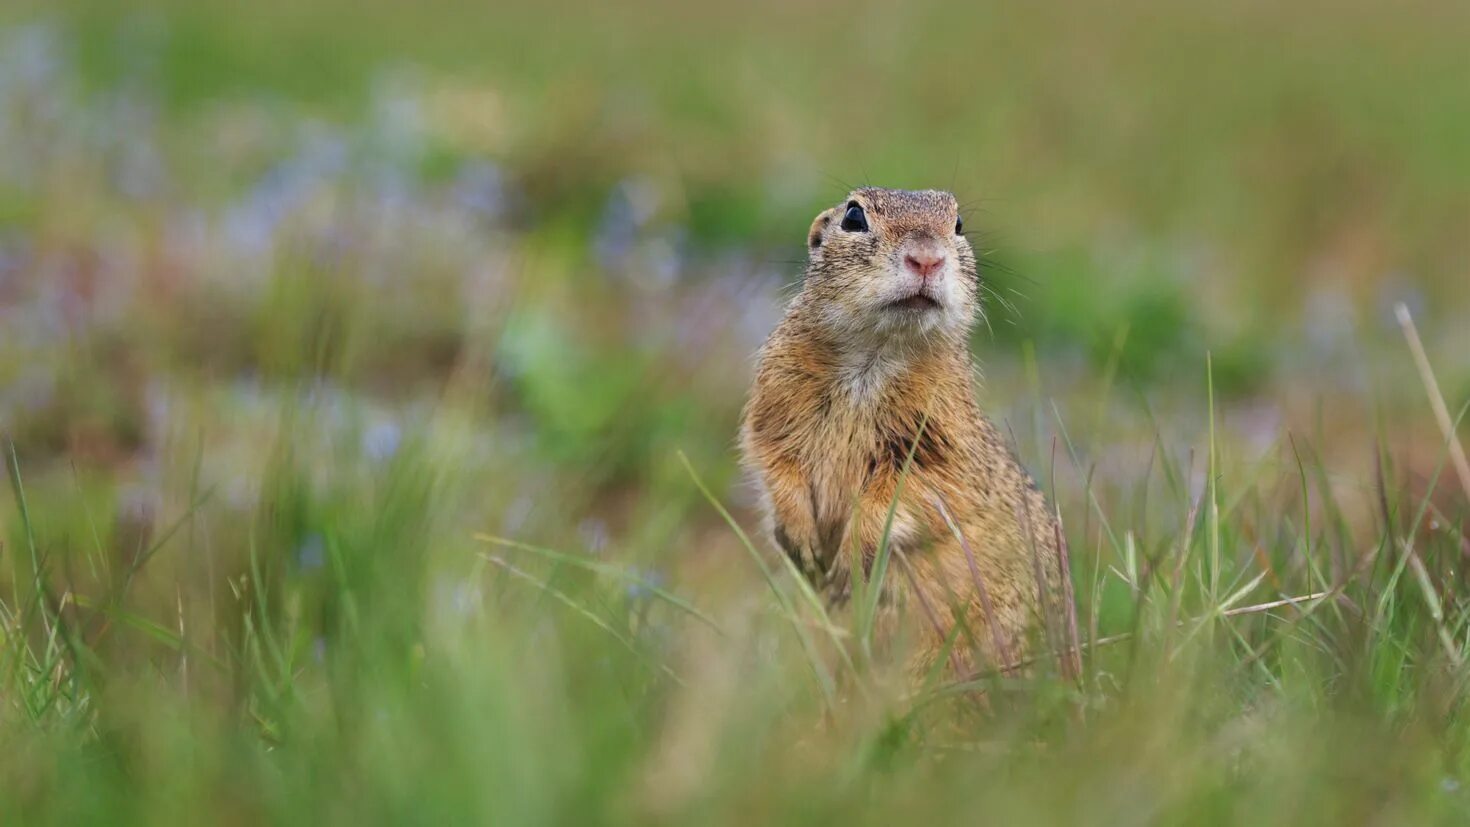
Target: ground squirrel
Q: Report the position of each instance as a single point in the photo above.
(872, 354)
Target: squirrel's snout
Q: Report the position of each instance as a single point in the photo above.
(924, 263)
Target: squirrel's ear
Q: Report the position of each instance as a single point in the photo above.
(819, 226)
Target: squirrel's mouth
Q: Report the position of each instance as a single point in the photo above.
(918, 302)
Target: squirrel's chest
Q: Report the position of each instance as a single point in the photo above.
(840, 455)
(844, 454)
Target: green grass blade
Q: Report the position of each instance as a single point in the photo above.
(609, 570)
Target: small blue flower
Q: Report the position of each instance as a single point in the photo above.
(647, 581)
(312, 553)
(381, 441)
(480, 189)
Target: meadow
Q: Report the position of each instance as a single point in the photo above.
(370, 374)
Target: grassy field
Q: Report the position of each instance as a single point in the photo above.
(369, 376)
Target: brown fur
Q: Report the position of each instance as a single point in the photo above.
(846, 385)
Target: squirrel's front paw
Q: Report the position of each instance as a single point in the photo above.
(800, 553)
(836, 584)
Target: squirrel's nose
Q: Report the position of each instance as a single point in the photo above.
(924, 263)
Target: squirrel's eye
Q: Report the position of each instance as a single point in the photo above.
(959, 226)
(853, 221)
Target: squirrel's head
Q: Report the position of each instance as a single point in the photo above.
(891, 263)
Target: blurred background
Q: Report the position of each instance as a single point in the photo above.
(306, 293)
(595, 213)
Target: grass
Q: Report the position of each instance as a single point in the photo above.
(1258, 664)
(368, 405)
